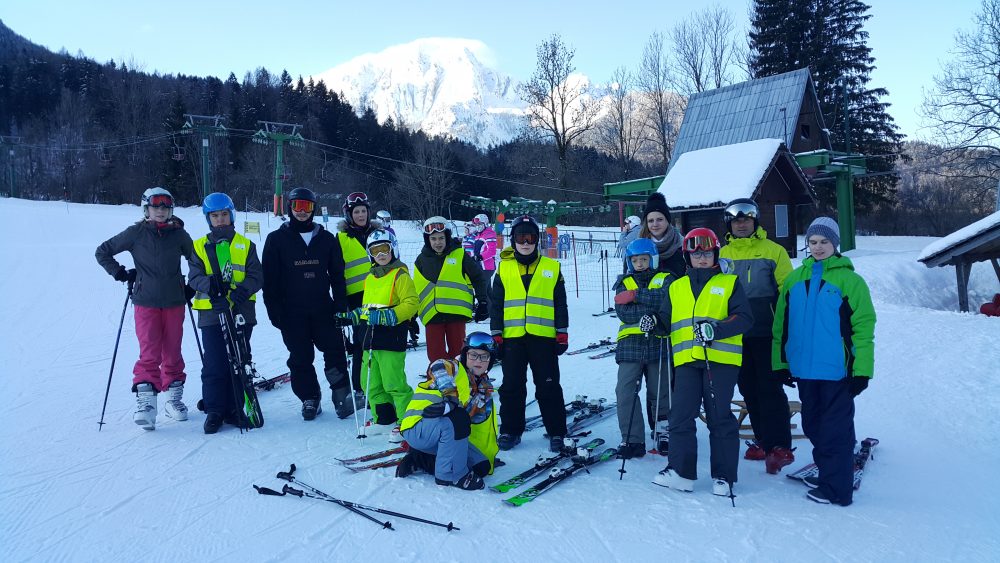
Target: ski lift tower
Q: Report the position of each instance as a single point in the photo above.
(207, 126)
(279, 134)
(551, 210)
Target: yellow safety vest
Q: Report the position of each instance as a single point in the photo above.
(712, 304)
(356, 263)
(239, 250)
(451, 294)
(483, 434)
(380, 292)
(656, 282)
(534, 311)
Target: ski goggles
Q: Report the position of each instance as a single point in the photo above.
(380, 248)
(356, 198)
(700, 243)
(525, 238)
(302, 205)
(743, 209)
(161, 201)
(432, 228)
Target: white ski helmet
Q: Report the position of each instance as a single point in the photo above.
(385, 217)
(382, 236)
(480, 221)
(633, 221)
(157, 197)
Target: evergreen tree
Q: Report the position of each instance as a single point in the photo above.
(828, 36)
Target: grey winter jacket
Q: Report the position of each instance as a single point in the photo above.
(644, 349)
(156, 252)
(200, 281)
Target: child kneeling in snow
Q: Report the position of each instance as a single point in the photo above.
(709, 312)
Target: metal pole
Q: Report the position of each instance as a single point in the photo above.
(576, 271)
(279, 174)
(205, 182)
(114, 356)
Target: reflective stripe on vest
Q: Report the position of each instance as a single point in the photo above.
(534, 311)
(656, 282)
(239, 250)
(712, 305)
(380, 292)
(451, 294)
(356, 263)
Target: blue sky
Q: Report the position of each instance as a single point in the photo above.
(214, 37)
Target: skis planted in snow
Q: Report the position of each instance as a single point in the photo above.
(559, 474)
(543, 464)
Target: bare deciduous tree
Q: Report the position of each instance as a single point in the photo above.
(620, 132)
(558, 106)
(662, 108)
(704, 50)
(425, 185)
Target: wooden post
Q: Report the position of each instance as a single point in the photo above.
(996, 267)
(962, 271)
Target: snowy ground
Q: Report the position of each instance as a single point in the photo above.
(72, 493)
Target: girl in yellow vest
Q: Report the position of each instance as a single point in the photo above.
(390, 301)
(217, 389)
(708, 313)
(642, 349)
(450, 423)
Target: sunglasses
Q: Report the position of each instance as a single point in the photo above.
(699, 243)
(302, 205)
(525, 238)
(161, 201)
(379, 249)
(432, 228)
(700, 254)
(357, 197)
(478, 356)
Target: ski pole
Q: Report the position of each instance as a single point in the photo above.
(370, 335)
(631, 418)
(194, 325)
(298, 493)
(350, 383)
(114, 356)
(715, 409)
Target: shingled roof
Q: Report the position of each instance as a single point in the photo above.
(746, 112)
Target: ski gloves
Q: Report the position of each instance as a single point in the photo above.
(625, 297)
(124, 275)
(785, 377)
(482, 312)
(858, 384)
(562, 343)
(704, 331)
(648, 322)
(239, 296)
(382, 317)
(498, 341)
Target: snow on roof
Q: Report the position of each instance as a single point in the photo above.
(959, 236)
(716, 174)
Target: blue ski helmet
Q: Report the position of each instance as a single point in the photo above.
(479, 341)
(638, 247)
(218, 202)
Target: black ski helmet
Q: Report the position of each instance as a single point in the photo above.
(302, 193)
(742, 207)
(480, 341)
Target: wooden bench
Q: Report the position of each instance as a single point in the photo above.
(746, 430)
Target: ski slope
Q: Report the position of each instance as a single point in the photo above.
(71, 493)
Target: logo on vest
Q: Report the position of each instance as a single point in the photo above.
(718, 291)
(547, 273)
(452, 261)
(240, 246)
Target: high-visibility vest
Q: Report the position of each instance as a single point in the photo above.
(238, 251)
(483, 434)
(712, 305)
(656, 282)
(451, 294)
(534, 311)
(380, 292)
(356, 263)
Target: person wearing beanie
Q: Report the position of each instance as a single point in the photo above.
(452, 287)
(303, 289)
(529, 319)
(352, 234)
(656, 226)
(706, 313)
(156, 243)
(762, 266)
(831, 367)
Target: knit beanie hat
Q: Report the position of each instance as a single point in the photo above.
(824, 227)
(656, 202)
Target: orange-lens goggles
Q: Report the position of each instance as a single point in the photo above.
(699, 243)
(380, 248)
(161, 201)
(435, 228)
(302, 205)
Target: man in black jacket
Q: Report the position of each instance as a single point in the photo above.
(303, 266)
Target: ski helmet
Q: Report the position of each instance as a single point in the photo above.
(437, 224)
(742, 207)
(638, 247)
(633, 221)
(157, 197)
(524, 224)
(480, 222)
(382, 236)
(302, 193)
(353, 200)
(702, 239)
(385, 217)
(480, 341)
(218, 202)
